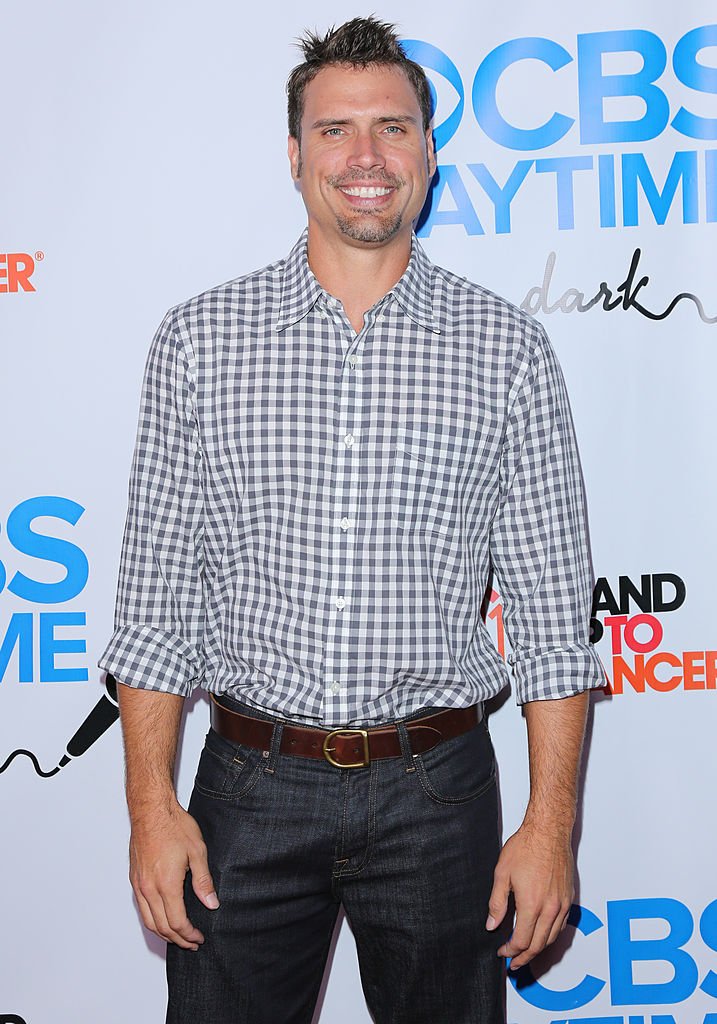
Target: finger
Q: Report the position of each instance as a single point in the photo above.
(145, 908)
(175, 912)
(537, 944)
(171, 935)
(559, 926)
(145, 912)
(522, 933)
(498, 902)
(166, 930)
(180, 924)
(160, 923)
(202, 880)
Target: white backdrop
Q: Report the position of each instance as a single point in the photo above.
(143, 161)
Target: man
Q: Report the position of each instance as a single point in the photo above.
(332, 454)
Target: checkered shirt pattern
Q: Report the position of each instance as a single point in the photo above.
(313, 514)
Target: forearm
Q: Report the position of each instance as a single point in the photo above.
(536, 863)
(150, 730)
(166, 841)
(556, 729)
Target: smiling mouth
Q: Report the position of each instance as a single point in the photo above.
(365, 191)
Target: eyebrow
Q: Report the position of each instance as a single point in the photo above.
(328, 122)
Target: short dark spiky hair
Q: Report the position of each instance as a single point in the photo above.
(360, 43)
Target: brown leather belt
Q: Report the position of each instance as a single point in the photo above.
(345, 748)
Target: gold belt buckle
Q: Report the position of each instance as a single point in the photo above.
(347, 732)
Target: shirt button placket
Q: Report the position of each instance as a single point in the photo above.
(337, 693)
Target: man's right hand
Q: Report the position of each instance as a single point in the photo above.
(162, 850)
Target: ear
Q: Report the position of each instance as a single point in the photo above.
(431, 153)
(294, 157)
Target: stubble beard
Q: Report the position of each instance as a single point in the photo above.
(367, 227)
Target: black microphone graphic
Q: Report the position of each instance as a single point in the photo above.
(104, 714)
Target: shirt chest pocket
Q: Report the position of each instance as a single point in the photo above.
(423, 487)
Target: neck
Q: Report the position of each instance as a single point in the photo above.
(358, 275)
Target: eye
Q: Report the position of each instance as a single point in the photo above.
(334, 132)
(394, 129)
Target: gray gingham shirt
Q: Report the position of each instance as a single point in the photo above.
(313, 514)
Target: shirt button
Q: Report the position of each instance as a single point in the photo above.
(353, 361)
(345, 523)
(335, 686)
(349, 440)
(340, 602)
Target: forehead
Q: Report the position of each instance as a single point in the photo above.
(342, 91)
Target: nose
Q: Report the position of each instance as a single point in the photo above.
(366, 151)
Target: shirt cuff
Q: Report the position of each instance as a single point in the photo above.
(551, 673)
(151, 659)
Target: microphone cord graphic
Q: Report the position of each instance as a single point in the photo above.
(104, 714)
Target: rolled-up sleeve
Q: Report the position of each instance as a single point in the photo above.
(539, 539)
(159, 611)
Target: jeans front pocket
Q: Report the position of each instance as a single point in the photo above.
(460, 769)
(227, 770)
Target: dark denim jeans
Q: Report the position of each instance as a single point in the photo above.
(407, 845)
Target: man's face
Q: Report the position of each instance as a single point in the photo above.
(365, 163)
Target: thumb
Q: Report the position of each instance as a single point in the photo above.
(498, 902)
(202, 881)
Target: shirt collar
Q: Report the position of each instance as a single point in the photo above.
(300, 290)
(299, 287)
(414, 290)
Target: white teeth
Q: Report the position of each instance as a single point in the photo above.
(366, 193)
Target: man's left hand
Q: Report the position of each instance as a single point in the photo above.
(536, 865)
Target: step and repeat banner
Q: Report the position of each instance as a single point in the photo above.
(144, 160)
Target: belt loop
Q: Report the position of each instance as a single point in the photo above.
(272, 753)
(405, 740)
